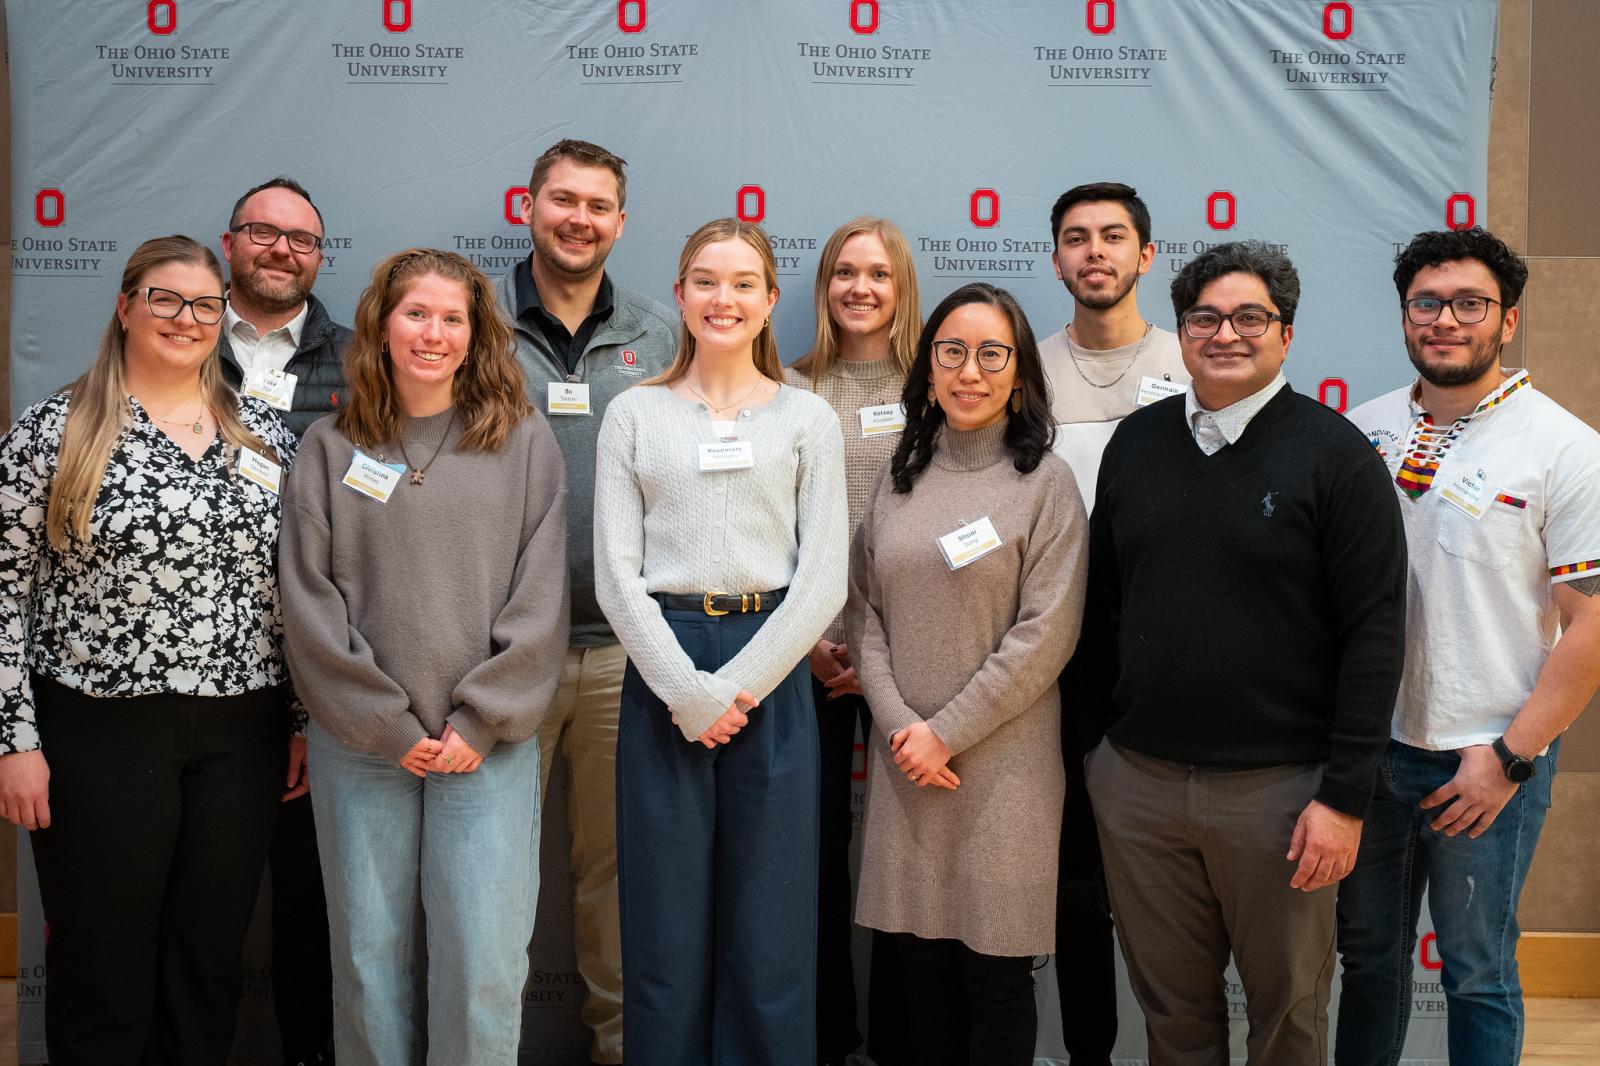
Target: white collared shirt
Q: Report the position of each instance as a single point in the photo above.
(1214, 430)
(1512, 509)
(256, 353)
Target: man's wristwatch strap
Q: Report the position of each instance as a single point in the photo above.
(1516, 768)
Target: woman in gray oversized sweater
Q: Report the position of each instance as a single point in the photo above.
(966, 593)
(423, 565)
(720, 533)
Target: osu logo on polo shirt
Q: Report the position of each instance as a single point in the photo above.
(628, 362)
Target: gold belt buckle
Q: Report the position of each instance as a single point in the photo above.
(706, 602)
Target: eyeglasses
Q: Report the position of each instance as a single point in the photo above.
(1250, 322)
(953, 355)
(1422, 310)
(164, 303)
(266, 235)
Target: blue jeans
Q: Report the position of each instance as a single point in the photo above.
(435, 875)
(1473, 887)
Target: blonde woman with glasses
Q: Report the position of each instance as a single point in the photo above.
(144, 710)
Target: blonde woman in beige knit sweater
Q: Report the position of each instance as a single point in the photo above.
(868, 318)
(966, 594)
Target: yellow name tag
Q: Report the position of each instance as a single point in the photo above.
(728, 455)
(567, 398)
(261, 470)
(969, 543)
(1466, 494)
(275, 388)
(884, 418)
(372, 477)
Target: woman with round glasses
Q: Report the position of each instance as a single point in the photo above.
(966, 593)
(867, 320)
(144, 713)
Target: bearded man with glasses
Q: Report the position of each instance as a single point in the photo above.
(279, 345)
(1240, 654)
(1499, 488)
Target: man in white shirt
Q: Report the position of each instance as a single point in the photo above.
(279, 345)
(1107, 362)
(1499, 488)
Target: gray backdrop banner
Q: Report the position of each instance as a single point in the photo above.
(1335, 129)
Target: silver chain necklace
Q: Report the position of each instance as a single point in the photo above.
(1072, 353)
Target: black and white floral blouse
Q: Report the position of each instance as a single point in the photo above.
(176, 589)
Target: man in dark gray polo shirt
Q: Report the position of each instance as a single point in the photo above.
(582, 340)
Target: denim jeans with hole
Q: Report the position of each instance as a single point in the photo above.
(1473, 887)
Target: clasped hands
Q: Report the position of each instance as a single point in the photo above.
(923, 757)
(450, 754)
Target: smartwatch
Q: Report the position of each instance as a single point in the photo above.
(1517, 769)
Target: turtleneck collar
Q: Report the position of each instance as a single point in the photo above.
(971, 449)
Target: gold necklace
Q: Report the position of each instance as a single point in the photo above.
(196, 425)
(723, 407)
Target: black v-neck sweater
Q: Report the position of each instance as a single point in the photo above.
(1245, 609)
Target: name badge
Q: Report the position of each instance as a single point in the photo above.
(727, 455)
(1466, 494)
(1153, 389)
(884, 418)
(275, 388)
(969, 543)
(568, 398)
(260, 469)
(370, 477)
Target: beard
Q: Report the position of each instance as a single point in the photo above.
(548, 248)
(1485, 354)
(274, 297)
(1099, 301)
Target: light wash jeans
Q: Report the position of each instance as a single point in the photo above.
(1472, 887)
(435, 876)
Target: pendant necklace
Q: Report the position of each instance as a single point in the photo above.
(195, 425)
(723, 407)
(420, 472)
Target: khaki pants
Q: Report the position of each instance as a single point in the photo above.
(583, 722)
(1196, 869)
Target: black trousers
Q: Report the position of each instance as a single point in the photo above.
(837, 1033)
(302, 975)
(968, 1009)
(161, 811)
(1086, 968)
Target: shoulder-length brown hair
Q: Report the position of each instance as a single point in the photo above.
(907, 305)
(765, 349)
(489, 390)
(99, 408)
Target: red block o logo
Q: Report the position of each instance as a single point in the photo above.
(1347, 20)
(631, 25)
(1100, 16)
(513, 205)
(743, 201)
(399, 24)
(1460, 211)
(979, 218)
(1329, 385)
(49, 207)
(1226, 220)
(161, 27)
(870, 24)
(1426, 952)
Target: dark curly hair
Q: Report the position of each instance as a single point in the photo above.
(1029, 432)
(1263, 260)
(1438, 247)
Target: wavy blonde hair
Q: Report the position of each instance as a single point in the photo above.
(99, 409)
(489, 389)
(907, 304)
(764, 350)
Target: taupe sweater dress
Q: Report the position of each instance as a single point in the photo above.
(976, 653)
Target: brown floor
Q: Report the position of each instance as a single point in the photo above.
(1561, 1032)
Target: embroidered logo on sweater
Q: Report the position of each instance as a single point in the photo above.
(1266, 505)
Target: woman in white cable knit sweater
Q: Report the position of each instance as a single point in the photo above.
(720, 528)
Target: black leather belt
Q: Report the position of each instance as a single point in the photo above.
(717, 603)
